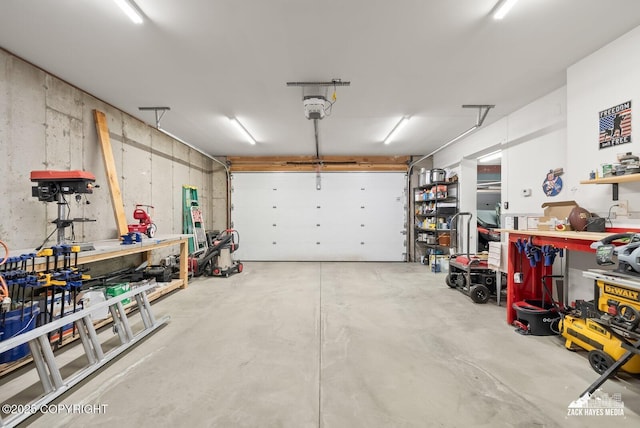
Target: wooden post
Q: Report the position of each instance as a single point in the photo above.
(112, 175)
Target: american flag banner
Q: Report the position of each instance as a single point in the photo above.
(615, 125)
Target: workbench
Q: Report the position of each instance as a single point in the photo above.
(531, 285)
(113, 249)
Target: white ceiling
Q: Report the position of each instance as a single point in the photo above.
(211, 59)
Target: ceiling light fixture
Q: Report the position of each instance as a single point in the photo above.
(129, 8)
(403, 121)
(244, 131)
(502, 8)
(490, 156)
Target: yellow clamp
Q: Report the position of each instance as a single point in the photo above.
(45, 280)
(83, 276)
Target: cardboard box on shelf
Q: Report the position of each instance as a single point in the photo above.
(555, 213)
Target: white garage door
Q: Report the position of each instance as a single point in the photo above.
(355, 216)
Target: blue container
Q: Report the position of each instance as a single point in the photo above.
(12, 326)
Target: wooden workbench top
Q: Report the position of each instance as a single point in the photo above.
(585, 236)
(108, 245)
(110, 248)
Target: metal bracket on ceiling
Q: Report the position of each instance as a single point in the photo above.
(333, 82)
(483, 110)
(160, 111)
(318, 89)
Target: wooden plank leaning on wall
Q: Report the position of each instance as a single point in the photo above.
(310, 163)
(102, 128)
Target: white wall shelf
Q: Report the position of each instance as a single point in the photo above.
(614, 180)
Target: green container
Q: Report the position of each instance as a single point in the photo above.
(117, 289)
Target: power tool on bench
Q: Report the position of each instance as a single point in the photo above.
(628, 254)
(52, 186)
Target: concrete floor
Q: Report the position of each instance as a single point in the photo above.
(339, 345)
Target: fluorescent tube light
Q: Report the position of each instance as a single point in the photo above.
(403, 121)
(243, 130)
(128, 8)
(503, 8)
(491, 156)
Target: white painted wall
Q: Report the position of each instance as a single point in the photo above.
(533, 140)
(604, 79)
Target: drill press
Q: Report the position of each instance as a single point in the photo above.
(53, 185)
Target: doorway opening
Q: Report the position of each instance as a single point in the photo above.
(489, 188)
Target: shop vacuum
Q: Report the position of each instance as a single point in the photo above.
(218, 259)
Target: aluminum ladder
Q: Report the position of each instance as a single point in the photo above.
(44, 360)
(193, 220)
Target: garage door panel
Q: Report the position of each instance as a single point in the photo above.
(352, 213)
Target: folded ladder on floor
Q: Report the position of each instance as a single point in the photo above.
(48, 371)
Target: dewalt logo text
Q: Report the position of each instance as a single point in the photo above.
(622, 292)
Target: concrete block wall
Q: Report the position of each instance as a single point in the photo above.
(46, 123)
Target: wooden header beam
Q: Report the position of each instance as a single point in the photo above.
(325, 163)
